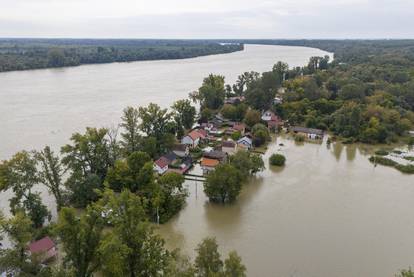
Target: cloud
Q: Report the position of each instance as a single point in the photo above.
(208, 18)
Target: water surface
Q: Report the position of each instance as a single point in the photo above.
(328, 212)
(44, 107)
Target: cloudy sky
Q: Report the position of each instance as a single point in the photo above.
(207, 18)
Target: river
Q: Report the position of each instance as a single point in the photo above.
(44, 107)
(328, 212)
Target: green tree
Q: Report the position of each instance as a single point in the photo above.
(51, 174)
(406, 273)
(223, 184)
(131, 249)
(247, 163)
(208, 262)
(20, 175)
(131, 136)
(212, 92)
(81, 238)
(129, 173)
(260, 134)
(233, 266)
(252, 117)
(157, 123)
(15, 260)
(280, 68)
(184, 113)
(277, 160)
(88, 158)
(89, 154)
(243, 81)
(172, 195)
(56, 57)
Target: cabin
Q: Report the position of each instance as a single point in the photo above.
(208, 165)
(229, 147)
(181, 150)
(309, 133)
(193, 138)
(245, 143)
(161, 165)
(216, 155)
(44, 249)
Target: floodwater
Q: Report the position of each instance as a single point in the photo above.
(328, 212)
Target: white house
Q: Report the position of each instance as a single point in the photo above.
(161, 165)
(194, 137)
(245, 142)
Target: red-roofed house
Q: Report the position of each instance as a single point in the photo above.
(194, 137)
(44, 249)
(208, 164)
(161, 165)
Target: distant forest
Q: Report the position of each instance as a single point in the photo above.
(23, 54)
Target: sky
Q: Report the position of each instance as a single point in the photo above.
(205, 19)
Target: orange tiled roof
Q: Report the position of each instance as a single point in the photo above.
(209, 162)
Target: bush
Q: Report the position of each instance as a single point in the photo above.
(409, 169)
(381, 152)
(299, 138)
(277, 160)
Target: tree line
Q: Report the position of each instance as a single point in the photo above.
(23, 54)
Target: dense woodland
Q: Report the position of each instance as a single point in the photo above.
(23, 54)
(107, 194)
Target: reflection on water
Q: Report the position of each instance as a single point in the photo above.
(323, 214)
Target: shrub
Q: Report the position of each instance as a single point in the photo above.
(277, 160)
(299, 138)
(381, 152)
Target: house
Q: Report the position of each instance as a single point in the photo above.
(194, 137)
(171, 157)
(44, 249)
(245, 143)
(211, 128)
(239, 127)
(272, 120)
(181, 150)
(181, 168)
(229, 147)
(216, 155)
(208, 165)
(161, 165)
(411, 133)
(308, 132)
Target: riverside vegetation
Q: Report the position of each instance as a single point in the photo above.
(111, 179)
(23, 54)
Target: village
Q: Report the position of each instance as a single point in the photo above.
(211, 143)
